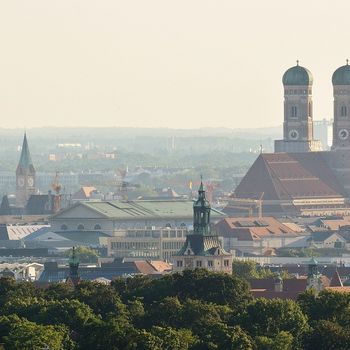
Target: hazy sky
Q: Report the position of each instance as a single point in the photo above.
(161, 63)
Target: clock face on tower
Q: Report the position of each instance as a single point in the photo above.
(20, 182)
(293, 135)
(343, 134)
(30, 181)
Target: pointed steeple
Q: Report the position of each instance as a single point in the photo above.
(25, 161)
(201, 211)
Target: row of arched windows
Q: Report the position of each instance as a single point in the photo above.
(80, 227)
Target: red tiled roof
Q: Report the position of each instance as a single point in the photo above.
(251, 228)
(160, 266)
(84, 192)
(290, 176)
(289, 285)
(339, 289)
(144, 267)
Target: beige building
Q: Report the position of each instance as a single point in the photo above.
(161, 243)
(112, 216)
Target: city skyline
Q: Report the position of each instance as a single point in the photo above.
(157, 64)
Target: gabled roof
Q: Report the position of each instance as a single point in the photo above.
(14, 232)
(322, 236)
(39, 204)
(203, 245)
(287, 176)
(84, 192)
(252, 228)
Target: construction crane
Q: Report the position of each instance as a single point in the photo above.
(56, 186)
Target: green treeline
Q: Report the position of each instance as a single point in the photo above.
(195, 310)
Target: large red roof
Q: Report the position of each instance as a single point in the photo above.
(290, 176)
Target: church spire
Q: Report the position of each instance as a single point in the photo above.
(25, 161)
(25, 176)
(201, 211)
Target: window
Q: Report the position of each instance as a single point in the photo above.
(310, 109)
(179, 263)
(64, 227)
(294, 112)
(168, 225)
(210, 263)
(226, 262)
(80, 227)
(198, 263)
(343, 111)
(97, 227)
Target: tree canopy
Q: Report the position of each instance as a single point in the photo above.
(195, 310)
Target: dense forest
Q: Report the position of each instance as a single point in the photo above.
(195, 310)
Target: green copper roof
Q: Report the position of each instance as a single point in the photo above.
(25, 161)
(297, 75)
(342, 75)
(74, 260)
(201, 245)
(145, 209)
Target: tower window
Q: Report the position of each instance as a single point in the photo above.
(81, 227)
(343, 111)
(294, 111)
(310, 109)
(179, 263)
(64, 227)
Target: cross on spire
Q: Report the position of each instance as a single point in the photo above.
(347, 62)
(297, 62)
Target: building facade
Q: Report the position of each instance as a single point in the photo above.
(202, 248)
(113, 216)
(161, 243)
(299, 179)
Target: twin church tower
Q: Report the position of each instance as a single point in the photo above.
(298, 111)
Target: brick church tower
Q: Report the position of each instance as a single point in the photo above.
(298, 113)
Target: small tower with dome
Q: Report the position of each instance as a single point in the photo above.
(298, 112)
(202, 248)
(314, 280)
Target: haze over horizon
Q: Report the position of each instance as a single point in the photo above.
(158, 63)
